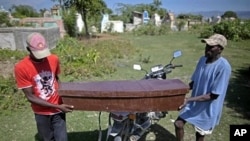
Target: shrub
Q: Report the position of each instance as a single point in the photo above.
(151, 29)
(4, 19)
(10, 97)
(69, 20)
(80, 60)
(232, 30)
(208, 31)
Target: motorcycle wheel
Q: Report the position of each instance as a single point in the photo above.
(118, 138)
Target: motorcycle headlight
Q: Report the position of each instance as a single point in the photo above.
(156, 68)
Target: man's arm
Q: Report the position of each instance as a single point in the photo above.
(201, 98)
(33, 99)
(191, 85)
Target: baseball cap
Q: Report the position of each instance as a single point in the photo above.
(38, 46)
(216, 39)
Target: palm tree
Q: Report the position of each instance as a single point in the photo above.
(157, 3)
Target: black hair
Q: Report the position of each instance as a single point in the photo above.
(28, 49)
(220, 47)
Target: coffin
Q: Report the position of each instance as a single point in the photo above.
(125, 95)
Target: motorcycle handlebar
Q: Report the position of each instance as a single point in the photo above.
(177, 66)
(172, 66)
(157, 74)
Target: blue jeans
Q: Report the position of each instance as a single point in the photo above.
(52, 127)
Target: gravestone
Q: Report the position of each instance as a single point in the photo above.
(157, 19)
(46, 14)
(145, 17)
(79, 22)
(105, 20)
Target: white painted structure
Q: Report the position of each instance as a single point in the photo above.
(117, 26)
(111, 26)
(79, 22)
(104, 23)
(157, 19)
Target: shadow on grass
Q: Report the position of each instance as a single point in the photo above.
(159, 132)
(86, 135)
(82, 136)
(238, 95)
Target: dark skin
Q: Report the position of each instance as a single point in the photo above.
(34, 99)
(212, 53)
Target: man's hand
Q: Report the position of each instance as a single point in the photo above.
(183, 105)
(66, 108)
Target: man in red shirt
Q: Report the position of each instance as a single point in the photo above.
(37, 76)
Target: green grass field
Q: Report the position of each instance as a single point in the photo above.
(83, 125)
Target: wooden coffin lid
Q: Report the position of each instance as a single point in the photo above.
(124, 88)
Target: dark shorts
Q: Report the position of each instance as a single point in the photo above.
(52, 127)
(179, 118)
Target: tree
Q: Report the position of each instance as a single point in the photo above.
(69, 20)
(126, 10)
(229, 14)
(62, 3)
(157, 3)
(86, 8)
(22, 11)
(42, 12)
(189, 17)
(4, 19)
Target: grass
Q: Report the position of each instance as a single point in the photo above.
(83, 125)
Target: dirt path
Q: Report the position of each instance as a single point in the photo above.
(99, 37)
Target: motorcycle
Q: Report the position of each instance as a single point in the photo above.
(131, 126)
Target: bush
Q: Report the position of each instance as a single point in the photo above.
(10, 97)
(245, 30)
(180, 25)
(69, 20)
(81, 60)
(4, 19)
(232, 30)
(208, 31)
(151, 29)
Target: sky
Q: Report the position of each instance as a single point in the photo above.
(176, 6)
